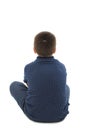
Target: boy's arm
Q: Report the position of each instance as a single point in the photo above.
(25, 77)
(26, 73)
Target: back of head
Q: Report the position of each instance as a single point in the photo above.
(45, 43)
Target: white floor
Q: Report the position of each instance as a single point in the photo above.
(20, 20)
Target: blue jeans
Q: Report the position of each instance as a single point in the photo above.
(19, 92)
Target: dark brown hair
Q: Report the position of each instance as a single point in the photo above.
(44, 43)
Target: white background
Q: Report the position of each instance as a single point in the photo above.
(20, 21)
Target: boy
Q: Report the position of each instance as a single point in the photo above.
(45, 96)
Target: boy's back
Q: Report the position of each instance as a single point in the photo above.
(46, 96)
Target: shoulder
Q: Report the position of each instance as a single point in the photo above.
(60, 66)
(29, 66)
(59, 63)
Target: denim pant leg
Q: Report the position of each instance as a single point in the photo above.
(67, 93)
(19, 92)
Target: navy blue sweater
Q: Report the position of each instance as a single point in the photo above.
(46, 95)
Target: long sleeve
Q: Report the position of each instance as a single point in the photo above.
(25, 77)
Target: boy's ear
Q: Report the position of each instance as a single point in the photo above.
(54, 50)
(34, 50)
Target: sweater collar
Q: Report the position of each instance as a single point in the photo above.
(48, 58)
